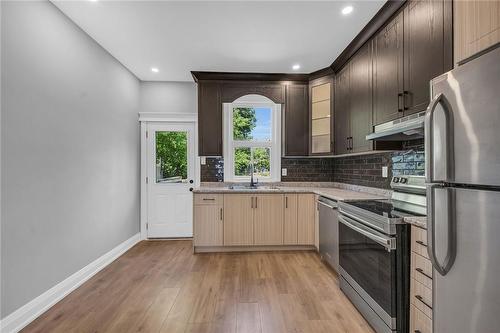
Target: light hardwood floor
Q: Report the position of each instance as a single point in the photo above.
(160, 286)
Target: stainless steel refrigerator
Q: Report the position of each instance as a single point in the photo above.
(462, 142)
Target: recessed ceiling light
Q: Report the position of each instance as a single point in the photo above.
(347, 10)
(154, 70)
(93, 0)
(296, 67)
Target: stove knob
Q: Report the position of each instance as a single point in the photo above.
(403, 180)
(395, 180)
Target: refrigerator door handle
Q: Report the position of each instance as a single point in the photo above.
(440, 99)
(451, 251)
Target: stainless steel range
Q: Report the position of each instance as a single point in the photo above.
(374, 253)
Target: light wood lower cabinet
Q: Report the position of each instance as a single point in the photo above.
(268, 219)
(208, 220)
(254, 220)
(238, 219)
(420, 283)
(290, 220)
(305, 219)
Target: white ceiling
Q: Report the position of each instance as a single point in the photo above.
(231, 36)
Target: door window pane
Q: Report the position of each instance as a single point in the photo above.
(252, 124)
(171, 157)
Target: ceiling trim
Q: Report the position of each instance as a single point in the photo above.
(242, 76)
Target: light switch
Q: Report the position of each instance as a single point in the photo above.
(385, 172)
(283, 172)
(203, 160)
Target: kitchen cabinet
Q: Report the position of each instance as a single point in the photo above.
(427, 50)
(476, 26)
(420, 283)
(388, 71)
(361, 99)
(268, 219)
(238, 219)
(342, 113)
(208, 219)
(290, 220)
(353, 104)
(260, 219)
(306, 208)
(296, 120)
(321, 92)
(209, 119)
(230, 91)
(413, 48)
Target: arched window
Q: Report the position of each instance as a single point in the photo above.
(252, 138)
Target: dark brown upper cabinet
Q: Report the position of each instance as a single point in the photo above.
(388, 71)
(209, 119)
(413, 48)
(296, 120)
(427, 49)
(361, 102)
(342, 101)
(353, 103)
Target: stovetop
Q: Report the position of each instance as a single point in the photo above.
(384, 208)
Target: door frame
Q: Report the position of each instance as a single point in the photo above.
(146, 119)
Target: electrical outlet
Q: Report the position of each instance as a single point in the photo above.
(203, 160)
(385, 172)
(283, 172)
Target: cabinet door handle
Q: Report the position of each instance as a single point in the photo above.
(421, 271)
(400, 109)
(256, 202)
(421, 243)
(421, 299)
(221, 214)
(208, 199)
(351, 145)
(286, 202)
(405, 94)
(251, 202)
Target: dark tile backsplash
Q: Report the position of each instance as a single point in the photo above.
(364, 170)
(213, 170)
(308, 169)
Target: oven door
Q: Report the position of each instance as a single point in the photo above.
(368, 264)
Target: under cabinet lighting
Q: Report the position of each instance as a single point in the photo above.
(347, 10)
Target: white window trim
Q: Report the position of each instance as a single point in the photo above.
(274, 144)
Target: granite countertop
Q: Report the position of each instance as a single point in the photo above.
(329, 190)
(419, 221)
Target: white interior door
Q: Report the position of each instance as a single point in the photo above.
(171, 174)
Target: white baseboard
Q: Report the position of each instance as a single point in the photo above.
(20, 318)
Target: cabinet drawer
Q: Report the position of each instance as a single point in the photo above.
(419, 322)
(421, 297)
(421, 269)
(419, 241)
(207, 199)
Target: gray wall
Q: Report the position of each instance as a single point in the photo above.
(70, 151)
(171, 97)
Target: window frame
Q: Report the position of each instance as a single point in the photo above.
(252, 101)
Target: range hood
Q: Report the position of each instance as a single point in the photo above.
(402, 129)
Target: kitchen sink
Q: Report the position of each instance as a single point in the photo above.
(252, 188)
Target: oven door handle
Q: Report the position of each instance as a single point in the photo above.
(389, 243)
